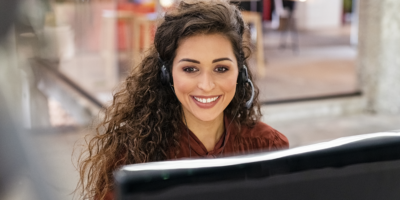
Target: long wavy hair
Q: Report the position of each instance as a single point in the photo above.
(141, 124)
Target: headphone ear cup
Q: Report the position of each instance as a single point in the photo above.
(165, 77)
(241, 77)
(250, 101)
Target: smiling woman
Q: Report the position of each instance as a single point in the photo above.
(191, 96)
(204, 74)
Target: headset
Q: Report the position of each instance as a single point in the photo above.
(243, 78)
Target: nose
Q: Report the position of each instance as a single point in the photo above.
(206, 82)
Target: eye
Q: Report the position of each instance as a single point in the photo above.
(221, 69)
(190, 69)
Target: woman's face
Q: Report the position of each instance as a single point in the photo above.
(205, 73)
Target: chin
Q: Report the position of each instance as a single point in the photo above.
(207, 118)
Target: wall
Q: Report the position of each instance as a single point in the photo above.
(317, 14)
(378, 59)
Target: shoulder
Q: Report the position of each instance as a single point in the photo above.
(261, 136)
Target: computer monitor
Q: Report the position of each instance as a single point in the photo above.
(356, 167)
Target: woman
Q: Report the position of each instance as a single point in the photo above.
(191, 96)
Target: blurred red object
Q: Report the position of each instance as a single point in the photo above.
(137, 8)
(124, 31)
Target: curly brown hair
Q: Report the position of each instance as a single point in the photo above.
(141, 125)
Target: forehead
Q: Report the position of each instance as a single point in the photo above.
(205, 47)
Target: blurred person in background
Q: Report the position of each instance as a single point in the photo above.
(191, 97)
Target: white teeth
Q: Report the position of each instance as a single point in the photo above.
(207, 100)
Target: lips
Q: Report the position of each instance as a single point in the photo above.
(206, 101)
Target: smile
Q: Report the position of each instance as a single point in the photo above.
(206, 100)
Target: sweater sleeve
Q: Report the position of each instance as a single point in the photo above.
(280, 141)
(109, 196)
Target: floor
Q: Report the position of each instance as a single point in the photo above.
(310, 131)
(59, 151)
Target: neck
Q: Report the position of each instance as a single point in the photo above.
(208, 132)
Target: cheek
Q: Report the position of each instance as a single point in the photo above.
(229, 86)
(183, 85)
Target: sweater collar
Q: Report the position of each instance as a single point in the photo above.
(198, 149)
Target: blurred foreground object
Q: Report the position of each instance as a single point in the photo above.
(20, 176)
(8, 10)
(356, 167)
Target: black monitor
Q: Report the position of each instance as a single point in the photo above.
(356, 167)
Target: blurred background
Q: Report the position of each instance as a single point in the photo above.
(325, 69)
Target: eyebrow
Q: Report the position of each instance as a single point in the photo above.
(189, 60)
(198, 62)
(221, 59)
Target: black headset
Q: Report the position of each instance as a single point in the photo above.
(243, 78)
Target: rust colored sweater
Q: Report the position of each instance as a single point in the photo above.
(260, 137)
